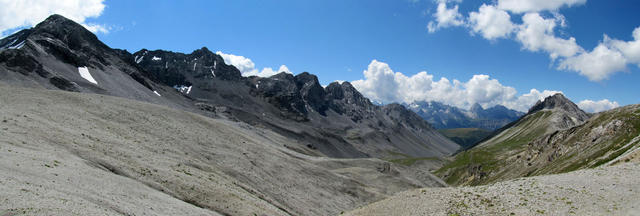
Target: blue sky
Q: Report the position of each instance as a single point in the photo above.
(338, 40)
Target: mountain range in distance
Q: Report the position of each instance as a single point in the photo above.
(465, 127)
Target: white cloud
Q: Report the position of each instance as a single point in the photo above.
(523, 6)
(445, 17)
(525, 101)
(26, 13)
(597, 106)
(248, 68)
(631, 49)
(96, 28)
(382, 84)
(491, 22)
(537, 33)
(267, 72)
(596, 65)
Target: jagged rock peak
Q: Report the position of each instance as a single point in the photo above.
(311, 91)
(477, 108)
(67, 30)
(204, 51)
(558, 102)
(346, 91)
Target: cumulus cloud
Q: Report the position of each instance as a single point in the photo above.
(491, 22)
(597, 106)
(248, 68)
(522, 6)
(596, 65)
(27, 13)
(445, 17)
(630, 49)
(382, 84)
(267, 72)
(537, 33)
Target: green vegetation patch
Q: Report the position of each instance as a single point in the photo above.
(465, 137)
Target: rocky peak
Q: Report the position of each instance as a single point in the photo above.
(477, 108)
(401, 115)
(311, 91)
(74, 35)
(557, 101)
(182, 69)
(352, 95)
(570, 114)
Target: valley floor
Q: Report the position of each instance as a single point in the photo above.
(607, 190)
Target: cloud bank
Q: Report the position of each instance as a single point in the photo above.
(382, 84)
(597, 106)
(248, 68)
(537, 33)
(26, 13)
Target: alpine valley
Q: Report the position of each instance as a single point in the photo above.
(86, 129)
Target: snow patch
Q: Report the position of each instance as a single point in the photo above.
(17, 46)
(14, 44)
(166, 65)
(84, 73)
(156, 58)
(138, 60)
(194, 66)
(212, 73)
(157, 93)
(183, 89)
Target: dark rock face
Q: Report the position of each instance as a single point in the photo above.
(182, 69)
(50, 54)
(443, 116)
(64, 84)
(318, 116)
(312, 92)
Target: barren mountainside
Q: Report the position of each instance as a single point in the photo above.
(87, 129)
(336, 121)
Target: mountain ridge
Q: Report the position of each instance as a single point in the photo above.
(336, 121)
(444, 116)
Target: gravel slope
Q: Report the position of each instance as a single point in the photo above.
(66, 153)
(609, 190)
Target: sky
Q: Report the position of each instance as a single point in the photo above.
(459, 52)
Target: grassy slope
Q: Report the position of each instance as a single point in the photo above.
(466, 137)
(528, 149)
(488, 157)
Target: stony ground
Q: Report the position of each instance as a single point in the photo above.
(609, 190)
(67, 153)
